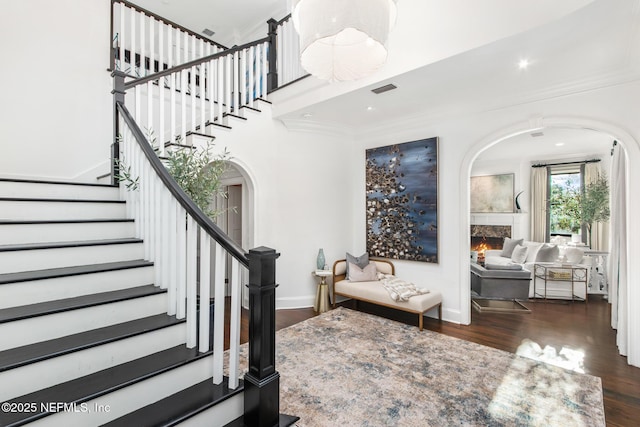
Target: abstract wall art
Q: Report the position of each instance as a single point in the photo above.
(402, 201)
(492, 193)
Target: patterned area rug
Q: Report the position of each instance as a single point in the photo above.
(347, 368)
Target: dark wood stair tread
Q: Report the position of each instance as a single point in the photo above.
(102, 382)
(179, 406)
(40, 199)
(51, 273)
(72, 244)
(64, 221)
(44, 350)
(67, 304)
(38, 181)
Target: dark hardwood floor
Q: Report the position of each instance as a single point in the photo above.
(558, 324)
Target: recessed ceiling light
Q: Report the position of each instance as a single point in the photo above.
(559, 144)
(307, 115)
(369, 108)
(523, 64)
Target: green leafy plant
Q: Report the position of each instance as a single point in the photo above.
(199, 174)
(594, 203)
(195, 169)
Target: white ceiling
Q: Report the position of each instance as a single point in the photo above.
(595, 46)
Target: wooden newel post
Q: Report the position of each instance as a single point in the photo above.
(262, 381)
(118, 97)
(272, 75)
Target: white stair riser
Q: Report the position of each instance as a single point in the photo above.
(222, 413)
(20, 210)
(136, 396)
(41, 259)
(57, 191)
(13, 234)
(36, 376)
(35, 291)
(43, 328)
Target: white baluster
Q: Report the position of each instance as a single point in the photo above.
(143, 45)
(134, 48)
(211, 85)
(172, 261)
(122, 37)
(181, 269)
(218, 322)
(236, 319)
(159, 238)
(161, 88)
(251, 68)
(243, 77)
(165, 241)
(235, 75)
(220, 78)
(193, 86)
(151, 191)
(227, 82)
(202, 91)
(183, 107)
(205, 290)
(150, 84)
(146, 208)
(192, 291)
(263, 78)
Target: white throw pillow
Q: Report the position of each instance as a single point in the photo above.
(367, 274)
(519, 254)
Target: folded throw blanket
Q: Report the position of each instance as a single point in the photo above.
(400, 290)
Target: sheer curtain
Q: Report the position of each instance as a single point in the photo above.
(599, 230)
(618, 254)
(539, 183)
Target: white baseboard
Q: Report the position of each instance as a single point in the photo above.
(295, 302)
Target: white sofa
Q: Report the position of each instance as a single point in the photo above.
(555, 289)
(373, 291)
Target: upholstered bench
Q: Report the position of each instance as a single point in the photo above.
(373, 291)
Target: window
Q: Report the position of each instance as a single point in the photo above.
(563, 215)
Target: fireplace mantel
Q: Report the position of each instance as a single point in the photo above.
(519, 222)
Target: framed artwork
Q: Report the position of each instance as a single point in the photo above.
(402, 201)
(492, 193)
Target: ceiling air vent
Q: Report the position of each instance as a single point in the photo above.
(384, 88)
(537, 134)
(207, 32)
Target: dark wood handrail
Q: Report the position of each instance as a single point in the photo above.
(283, 20)
(166, 21)
(193, 63)
(185, 201)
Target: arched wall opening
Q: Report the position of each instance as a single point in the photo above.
(632, 153)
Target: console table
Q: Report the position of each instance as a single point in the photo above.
(573, 274)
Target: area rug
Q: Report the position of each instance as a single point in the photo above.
(347, 368)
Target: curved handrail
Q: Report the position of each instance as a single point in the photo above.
(169, 71)
(185, 201)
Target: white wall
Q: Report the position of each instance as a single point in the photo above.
(302, 193)
(55, 111)
(461, 139)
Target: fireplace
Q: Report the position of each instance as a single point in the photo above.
(485, 237)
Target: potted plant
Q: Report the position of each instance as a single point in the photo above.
(594, 204)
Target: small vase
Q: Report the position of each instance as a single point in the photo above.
(320, 260)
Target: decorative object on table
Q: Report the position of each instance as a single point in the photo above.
(402, 201)
(474, 257)
(320, 260)
(492, 193)
(491, 387)
(343, 40)
(518, 207)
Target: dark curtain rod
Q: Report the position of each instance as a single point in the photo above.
(540, 165)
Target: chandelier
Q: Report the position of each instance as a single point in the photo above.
(343, 40)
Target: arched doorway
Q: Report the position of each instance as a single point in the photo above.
(633, 157)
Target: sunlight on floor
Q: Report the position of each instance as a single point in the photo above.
(567, 358)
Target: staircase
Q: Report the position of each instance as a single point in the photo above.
(85, 338)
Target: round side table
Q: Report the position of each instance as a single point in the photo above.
(322, 295)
